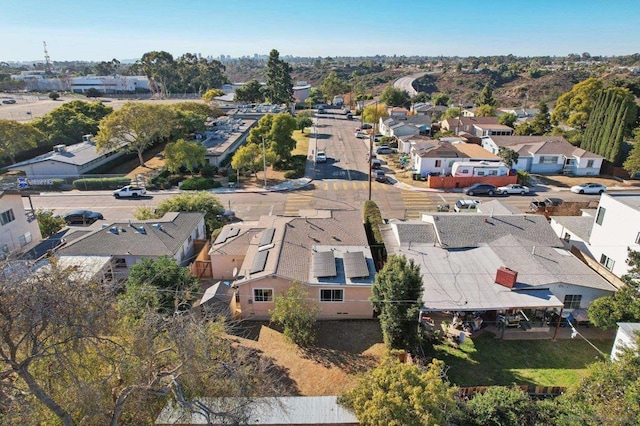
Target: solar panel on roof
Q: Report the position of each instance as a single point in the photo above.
(355, 265)
(324, 264)
(267, 236)
(259, 262)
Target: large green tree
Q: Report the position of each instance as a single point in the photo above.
(508, 119)
(296, 312)
(181, 153)
(136, 126)
(397, 297)
(250, 92)
(632, 163)
(574, 107)
(49, 223)
(396, 97)
(279, 86)
(195, 74)
(486, 96)
(373, 113)
(177, 288)
(248, 158)
(16, 138)
(399, 394)
(624, 304)
(610, 121)
(160, 68)
(69, 122)
(203, 202)
(280, 137)
(332, 86)
(509, 156)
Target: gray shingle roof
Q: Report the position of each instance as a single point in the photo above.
(529, 145)
(175, 229)
(578, 225)
(472, 230)
(417, 232)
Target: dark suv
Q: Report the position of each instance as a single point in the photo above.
(480, 188)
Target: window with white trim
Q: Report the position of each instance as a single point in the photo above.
(332, 295)
(572, 301)
(7, 216)
(638, 238)
(600, 215)
(262, 295)
(589, 164)
(606, 261)
(25, 239)
(548, 160)
(438, 163)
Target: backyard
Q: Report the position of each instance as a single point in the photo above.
(347, 348)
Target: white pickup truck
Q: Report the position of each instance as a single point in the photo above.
(129, 191)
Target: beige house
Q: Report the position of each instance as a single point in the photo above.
(326, 251)
(19, 232)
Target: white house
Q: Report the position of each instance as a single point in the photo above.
(625, 338)
(433, 156)
(546, 154)
(404, 127)
(67, 161)
(19, 232)
(616, 228)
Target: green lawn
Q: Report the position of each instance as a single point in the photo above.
(302, 145)
(487, 360)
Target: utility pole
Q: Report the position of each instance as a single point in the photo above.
(375, 116)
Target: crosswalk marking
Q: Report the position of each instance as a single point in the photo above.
(416, 204)
(294, 203)
(352, 185)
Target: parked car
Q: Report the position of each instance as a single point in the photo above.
(379, 176)
(513, 188)
(589, 188)
(83, 217)
(377, 137)
(376, 164)
(8, 101)
(360, 134)
(385, 149)
(321, 157)
(129, 191)
(366, 126)
(466, 206)
(544, 205)
(480, 188)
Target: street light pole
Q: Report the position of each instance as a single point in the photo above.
(264, 162)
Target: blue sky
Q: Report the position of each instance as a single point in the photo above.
(125, 29)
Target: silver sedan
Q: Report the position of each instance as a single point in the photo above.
(513, 188)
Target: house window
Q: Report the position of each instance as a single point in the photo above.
(589, 163)
(119, 262)
(493, 173)
(25, 239)
(263, 294)
(332, 295)
(548, 160)
(7, 217)
(607, 262)
(572, 301)
(567, 236)
(638, 238)
(600, 215)
(480, 173)
(438, 163)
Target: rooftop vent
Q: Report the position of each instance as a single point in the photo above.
(114, 230)
(60, 148)
(157, 226)
(506, 277)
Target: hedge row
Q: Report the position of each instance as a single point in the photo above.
(101, 183)
(199, 183)
(372, 221)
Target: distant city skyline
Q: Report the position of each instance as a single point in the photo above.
(122, 29)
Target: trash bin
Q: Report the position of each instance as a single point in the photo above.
(416, 176)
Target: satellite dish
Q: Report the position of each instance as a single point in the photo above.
(235, 272)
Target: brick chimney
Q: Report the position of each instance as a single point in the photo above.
(506, 277)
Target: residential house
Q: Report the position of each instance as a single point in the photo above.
(546, 154)
(426, 108)
(404, 127)
(433, 156)
(67, 161)
(398, 113)
(522, 114)
(475, 126)
(326, 251)
(125, 244)
(609, 234)
(494, 263)
(19, 231)
(626, 338)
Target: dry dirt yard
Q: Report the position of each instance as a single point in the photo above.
(344, 349)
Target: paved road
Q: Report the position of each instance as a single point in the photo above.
(406, 83)
(340, 183)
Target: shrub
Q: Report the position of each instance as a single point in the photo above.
(524, 178)
(208, 171)
(293, 174)
(101, 183)
(233, 177)
(372, 222)
(200, 183)
(223, 171)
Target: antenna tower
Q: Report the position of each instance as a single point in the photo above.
(47, 59)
